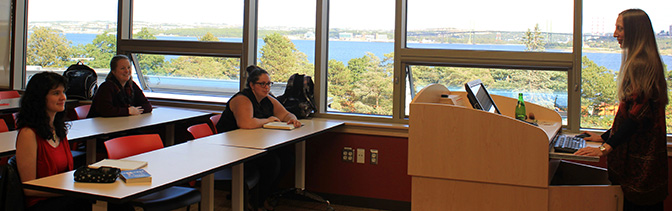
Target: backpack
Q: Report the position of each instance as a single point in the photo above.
(82, 81)
(299, 96)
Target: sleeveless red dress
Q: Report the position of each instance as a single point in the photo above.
(50, 160)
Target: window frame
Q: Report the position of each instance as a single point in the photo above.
(246, 52)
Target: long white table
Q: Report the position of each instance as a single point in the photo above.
(10, 105)
(168, 166)
(8, 142)
(91, 128)
(269, 139)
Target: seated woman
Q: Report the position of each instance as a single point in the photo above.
(42, 147)
(252, 108)
(119, 95)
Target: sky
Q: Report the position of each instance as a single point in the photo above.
(510, 15)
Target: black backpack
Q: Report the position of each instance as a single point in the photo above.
(82, 82)
(299, 96)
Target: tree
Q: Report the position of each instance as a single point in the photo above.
(47, 48)
(534, 41)
(365, 87)
(150, 64)
(208, 37)
(281, 59)
(204, 67)
(102, 49)
(598, 91)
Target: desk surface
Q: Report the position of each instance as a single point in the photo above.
(168, 166)
(261, 138)
(10, 105)
(8, 142)
(92, 127)
(105, 125)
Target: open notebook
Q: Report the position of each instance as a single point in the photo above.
(279, 125)
(124, 165)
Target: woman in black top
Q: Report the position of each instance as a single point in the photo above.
(252, 108)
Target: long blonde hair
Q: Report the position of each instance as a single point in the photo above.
(641, 71)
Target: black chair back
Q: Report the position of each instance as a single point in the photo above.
(11, 188)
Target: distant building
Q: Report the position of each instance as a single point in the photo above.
(597, 26)
(369, 37)
(345, 36)
(309, 35)
(381, 36)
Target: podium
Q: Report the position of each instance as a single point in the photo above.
(460, 158)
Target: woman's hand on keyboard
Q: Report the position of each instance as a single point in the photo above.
(589, 151)
(593, 137)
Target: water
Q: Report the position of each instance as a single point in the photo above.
(345, 50)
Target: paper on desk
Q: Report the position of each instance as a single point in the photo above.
(124, 165)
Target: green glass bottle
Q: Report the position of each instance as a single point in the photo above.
(520, 108)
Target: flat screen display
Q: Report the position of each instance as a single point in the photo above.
(479, 97)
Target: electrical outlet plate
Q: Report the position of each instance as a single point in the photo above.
(374, 156)
(348, 155)
(361, 153)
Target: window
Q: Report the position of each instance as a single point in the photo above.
(58, 39)
(286, 43)
(361, 47)
(491, 25)
(602, 56)
(189, 21)
(542, 87)
(202, 75)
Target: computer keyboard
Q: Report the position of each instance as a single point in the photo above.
(568, 143)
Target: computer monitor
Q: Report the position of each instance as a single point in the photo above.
(479, 97)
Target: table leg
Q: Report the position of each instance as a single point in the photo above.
(300, 166)
(91, 151)
(170, 135)
(208, 192)
(99, 206)
(238, 188)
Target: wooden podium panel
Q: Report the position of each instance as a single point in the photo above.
(466, 144)
(439, 194)
(461, 158)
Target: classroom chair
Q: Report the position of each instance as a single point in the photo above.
(5, 128)
(214, 119)
(200, 130)
(251, 176)
(9, 94)
(11, 188)
(82, 111)
(168, 199)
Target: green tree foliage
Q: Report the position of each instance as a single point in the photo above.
(102, 49)
(208, 37)
(281, 59)
(47, 48)
(204, 67)
(150, 64)
(364, 86)
(598, 86)
(534, 41)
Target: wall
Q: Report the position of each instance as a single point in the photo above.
(327, 173)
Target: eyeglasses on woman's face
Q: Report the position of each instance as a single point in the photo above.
(269, 84)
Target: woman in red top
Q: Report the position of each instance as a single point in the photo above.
(42, 148)
(637, 141)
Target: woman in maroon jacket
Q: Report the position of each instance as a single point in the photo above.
(119, 95)
(636, 143)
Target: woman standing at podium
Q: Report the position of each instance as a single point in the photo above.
(637, 141)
